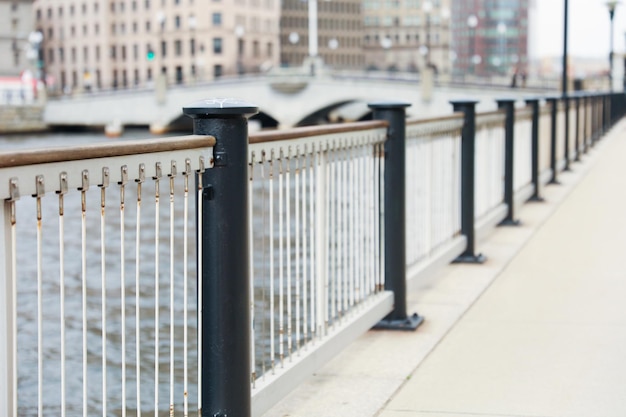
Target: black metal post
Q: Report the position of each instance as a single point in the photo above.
(567, 132)
(225, 309)
(586, 124)
(533, 103)
(468, 139)
(395, 214)
(577, 137)
(509, 137)
(554, 107)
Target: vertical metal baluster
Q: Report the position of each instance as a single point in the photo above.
(361, 224)
(63, 188)
(40, 191)
(199, 226)
(324, 243)
(298, 255)
(352, 226)
(103, 186)
(271, 244)
(288, 227)
(122, 184)
(141, 178)
(313, 209)
(12, 292)
(281, 319)
(345, 261)
(340, 259)
(186, 174)
(251, 260)
(172, 175)
(305, 323)
(264, 246)
(319, 273)
(332, 235)
(157, 231)
(83, 203)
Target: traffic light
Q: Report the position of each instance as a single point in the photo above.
(150, 54)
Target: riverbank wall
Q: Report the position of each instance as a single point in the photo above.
(21, 119)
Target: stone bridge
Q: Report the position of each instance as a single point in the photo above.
(284, 101)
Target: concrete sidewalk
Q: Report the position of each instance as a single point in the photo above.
(539, 330)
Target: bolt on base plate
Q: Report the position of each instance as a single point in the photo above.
(410, 323)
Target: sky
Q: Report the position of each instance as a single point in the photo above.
(589, 28)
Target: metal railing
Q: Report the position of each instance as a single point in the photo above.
(269, 254)
(433, 186)
(315, 241)
(98, 276)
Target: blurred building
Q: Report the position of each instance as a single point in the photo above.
(90, 44)
(490, 37)
(16, 23)
(407, 35)
(340, 33)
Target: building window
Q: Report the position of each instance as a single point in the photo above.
(135, 51)
(84, 8)
(163, 49)
(60, 11)
(96, 7)
(149, 74)
(112, 7)
(112, 52)
(217, 46)
(72, 10)
(147, 4)
(96, 29)
(49, 13)
(255, 49)
(50, 55)
(50, 32)
(217, 71)
(134, 7)
(147, 26)
(192, 47)
(38, 14)
(123, 52)
(73, 54)
(72, 31)
(84, 29)
(97, 52)
(217, 19)
(134, 27)
(178, 47)
(85, 54)
(270, 49)
(177, 22)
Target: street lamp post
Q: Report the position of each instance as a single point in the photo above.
(161, 80)
(472, 22)
(502, 33)
(427, 7)
(612, 4)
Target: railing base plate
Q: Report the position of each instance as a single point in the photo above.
(536, 199)
(509, 222)
(410, 323)
(470, 259)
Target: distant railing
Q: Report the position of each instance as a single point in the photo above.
(117, 302)
(433, 186)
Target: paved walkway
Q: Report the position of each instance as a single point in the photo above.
(539, 330)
